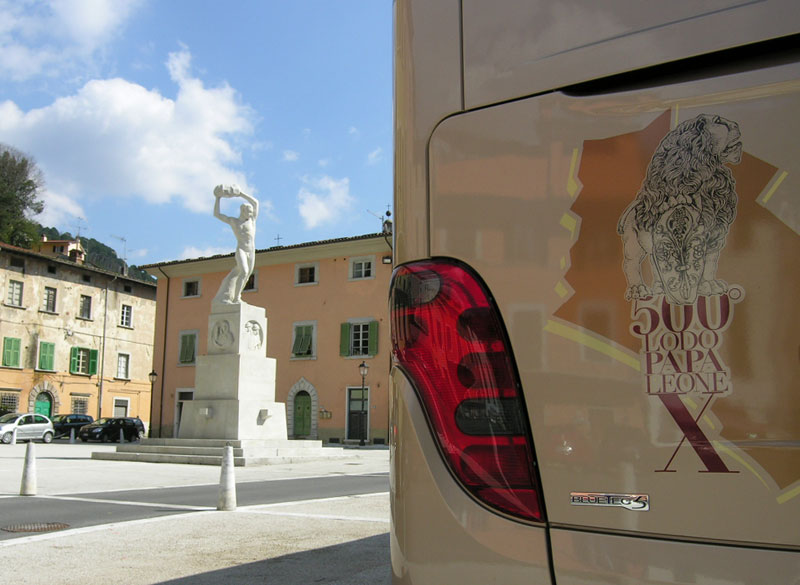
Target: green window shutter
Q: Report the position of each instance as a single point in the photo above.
(11, 347)
(92, 362)
(303, 336)
(73, 360)
(344, 340)
(373, 338)
(47, 353)
(16, 351)
(7, 351)
(187, 349)
(298, 340)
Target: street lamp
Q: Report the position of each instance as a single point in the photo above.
(153, 376)
(363, 369)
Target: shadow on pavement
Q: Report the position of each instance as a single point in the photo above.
(358, 562)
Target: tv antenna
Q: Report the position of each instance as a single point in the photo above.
(382, 217)
(80, 223)
(124, 247)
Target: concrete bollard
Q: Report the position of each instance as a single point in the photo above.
(72, 436)
(14, 437)
(227, 483)
(28, 485)
(121, 436)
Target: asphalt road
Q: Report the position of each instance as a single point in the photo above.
(157, 524)
(19, 514)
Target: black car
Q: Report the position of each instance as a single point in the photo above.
(64, 423)
(108, 430)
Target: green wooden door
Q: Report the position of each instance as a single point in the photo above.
(302, 414)
(43, 404)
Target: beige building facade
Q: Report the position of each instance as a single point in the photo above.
(75, 339)
(327, 314)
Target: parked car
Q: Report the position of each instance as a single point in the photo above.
(29, 427)
(64, 423)
(108, 429)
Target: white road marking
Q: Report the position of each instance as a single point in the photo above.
(129, 503)
(255, 509)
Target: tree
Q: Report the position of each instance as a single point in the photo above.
(20, 183)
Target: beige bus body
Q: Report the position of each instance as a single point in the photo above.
(640, 238)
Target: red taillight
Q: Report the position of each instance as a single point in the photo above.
(447, 336)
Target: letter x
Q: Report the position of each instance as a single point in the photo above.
(693, 432)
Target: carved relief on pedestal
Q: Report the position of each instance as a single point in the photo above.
(255, 335)
(221, 334)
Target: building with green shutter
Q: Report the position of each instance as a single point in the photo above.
(75, 339)
(327, 313)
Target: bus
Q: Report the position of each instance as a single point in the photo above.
(594, 312)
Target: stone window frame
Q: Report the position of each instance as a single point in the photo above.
(362, 260)
(85, 307)
(123, 322)
(303, 266)
(313, 354)
(50, 301)
(181, 335)
(189, 281)
(127, 372)
(15, 295)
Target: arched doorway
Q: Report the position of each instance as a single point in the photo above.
(302, 414)
(43, 404)
(44, 399)
(302, 405)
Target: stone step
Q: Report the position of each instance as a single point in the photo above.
(185, 458)
(166, 458)
(178, 450)
(210, 451)
(235, 443)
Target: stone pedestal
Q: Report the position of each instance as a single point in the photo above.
(234, 396)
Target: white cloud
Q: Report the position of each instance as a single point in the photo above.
(375, 156)
(290, 155)
(140, 253)
(59, 37)
(194, 252)
(114, 138)
(267, 209)
(324, 162)
(58, 209)
(324, 200)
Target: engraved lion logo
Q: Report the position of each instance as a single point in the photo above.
(683, 211)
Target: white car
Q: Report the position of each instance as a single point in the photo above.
(29, 427)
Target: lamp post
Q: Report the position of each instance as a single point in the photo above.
(363, 369)
(153, 376)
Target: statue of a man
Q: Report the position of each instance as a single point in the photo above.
(244, 228)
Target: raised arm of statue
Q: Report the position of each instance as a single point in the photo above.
(244, 228)
(217, 213)
(252, 201)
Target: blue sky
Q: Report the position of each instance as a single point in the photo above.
(135, 109)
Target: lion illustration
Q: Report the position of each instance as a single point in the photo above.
(683, 211)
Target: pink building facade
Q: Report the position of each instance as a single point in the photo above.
(327, 313)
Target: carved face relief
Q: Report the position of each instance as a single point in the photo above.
(255, 335)
(679, 253)
(221, 334)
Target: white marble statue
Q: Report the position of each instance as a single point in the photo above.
(244, 228)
